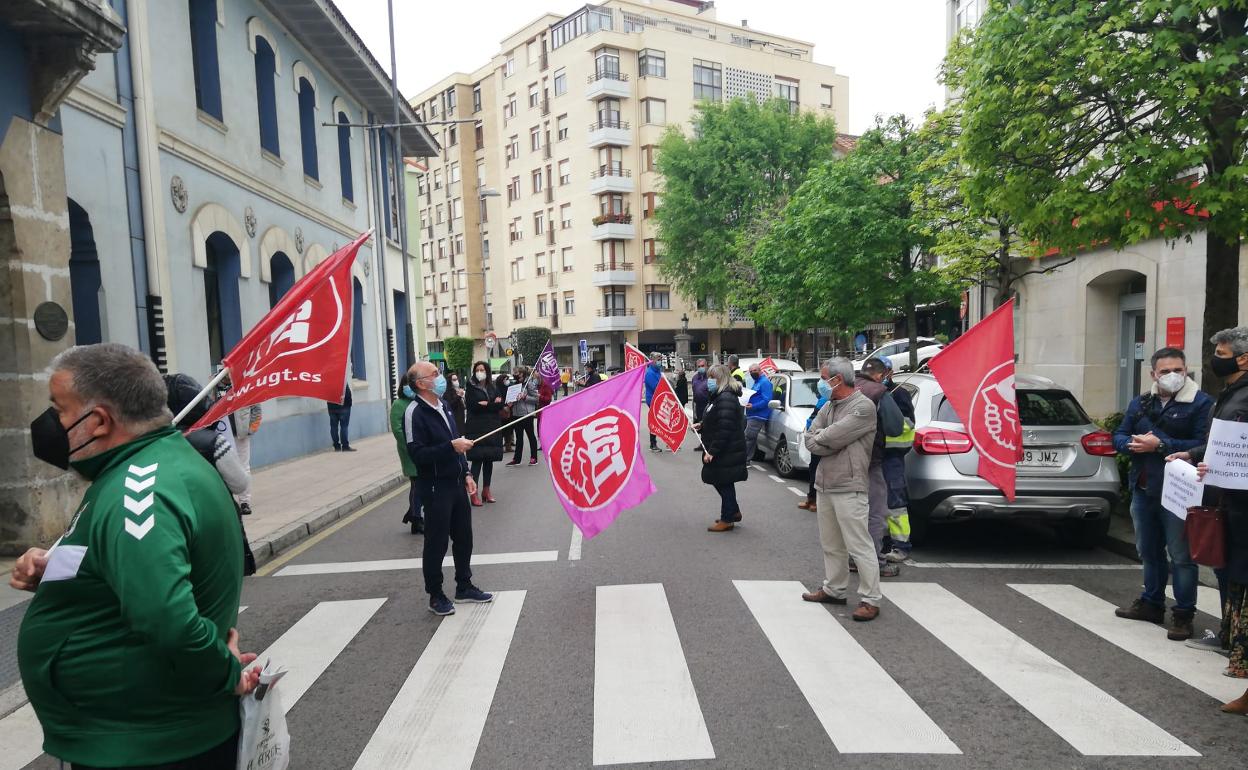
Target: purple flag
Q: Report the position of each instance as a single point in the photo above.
(548, 366)
(592, 442)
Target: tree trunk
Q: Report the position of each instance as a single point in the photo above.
(1005, 277)
(1221, 299)
(912, 330)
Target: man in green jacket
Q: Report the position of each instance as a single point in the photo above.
(413, 515)
(128, 651)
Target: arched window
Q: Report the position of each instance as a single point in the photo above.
(203, 15)
(266, 95)
(357, 331)
(282, 276)
(221, 303)
(84, 277)
(344, 155)
(307, 126)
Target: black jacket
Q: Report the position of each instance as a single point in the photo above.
(723, 436)
(482, 420)
(1232, 404)
(429, 441)
(682, 389)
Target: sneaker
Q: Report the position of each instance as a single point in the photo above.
(820, 596)
(866, 612)
(1142, 610)
(533, 461)
(472, 595)
(1180, 625)
(655, 449)
(890, 570)
(510, 464)
(349, 449)
(896, 556)
(1209, 642)
(440, 605)
(245, 509)
(418, 525)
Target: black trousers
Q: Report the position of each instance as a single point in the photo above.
(222, 757)
(699, 409)
(339, 419)
(525, 428)
(814, 464)
(728, 508)
(413, 501)
(483, 472)
(448, 516)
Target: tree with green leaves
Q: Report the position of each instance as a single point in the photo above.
(740, 160)
(529, 342)
(850, 246)
(458, 352)
(1114, 121)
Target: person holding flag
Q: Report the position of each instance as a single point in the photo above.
(723, 439)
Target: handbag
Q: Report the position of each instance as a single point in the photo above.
(1206, 535)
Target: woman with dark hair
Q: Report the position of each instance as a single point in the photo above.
(454, 398)
(522, 413)
(485, 414)
(723, 438)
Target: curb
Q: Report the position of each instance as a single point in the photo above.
(270, 546)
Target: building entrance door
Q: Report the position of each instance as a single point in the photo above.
(1131, 352)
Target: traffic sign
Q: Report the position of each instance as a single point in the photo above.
(491, 341)
(584, 351)
(510, 351)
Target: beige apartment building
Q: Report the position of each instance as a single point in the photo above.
(540, 209)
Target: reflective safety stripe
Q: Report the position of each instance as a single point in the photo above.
(899, 525)
(903, 440)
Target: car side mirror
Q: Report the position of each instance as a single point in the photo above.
(775, 404)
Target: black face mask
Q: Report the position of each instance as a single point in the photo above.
(1224, 367)
(51, 441)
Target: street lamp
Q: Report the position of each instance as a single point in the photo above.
(684, 322)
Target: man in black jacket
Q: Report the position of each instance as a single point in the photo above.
(445, 484)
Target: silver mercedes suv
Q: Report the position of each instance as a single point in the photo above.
(1067, 477)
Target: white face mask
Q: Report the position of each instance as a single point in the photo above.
(1171, 382)
(482, 376)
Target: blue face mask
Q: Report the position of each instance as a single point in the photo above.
(712, 385)
(439, 386)
(654, 365)
(408, 393)
(825, 390)
(701, 370)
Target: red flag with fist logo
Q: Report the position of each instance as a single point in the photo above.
(300, 348)
(768, 367)
(976, 372)
(667, 418)
(633, 357)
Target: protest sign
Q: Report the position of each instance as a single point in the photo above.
(513, 393)
(1182, 489)
(1227, 455)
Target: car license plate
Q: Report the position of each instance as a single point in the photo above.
(1041, 458)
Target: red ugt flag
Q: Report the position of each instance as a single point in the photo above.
(300, 348)
(976, 372)
(592, 442)
(667, 418)
(633, 357)
(768, 367)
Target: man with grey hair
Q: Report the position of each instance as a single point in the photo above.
(149, 569)
(842, 434)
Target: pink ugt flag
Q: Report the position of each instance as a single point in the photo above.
(592, 442)
(548, 366)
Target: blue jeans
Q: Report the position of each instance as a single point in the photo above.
(339, 419)
(1158, 531)
(728, 508)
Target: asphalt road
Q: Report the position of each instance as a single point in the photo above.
(644, 651)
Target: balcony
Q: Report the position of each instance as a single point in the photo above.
(616, 320)
(613, 227)
(545, 106)
(615, 133)
(610, 179)
(608, 83)
(614, 274)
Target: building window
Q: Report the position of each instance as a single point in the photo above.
(561, 126)
(453, 174)
(649, 256)
(476, 98)
(541, 306)
(489, 314)
(429, 317)
(509, 66)
(708, 80)
(452, 136)
(221, 299)
(344, 156)
(569, 303)
(513, 189)
(647, 157)
(539, 264)
(561, 81)
(461, 279)
(649, 201)
(651, 64)
(441, 248)
(437, 179)
(517, 310)
(428, 284)
(459, 243)
(266, 96)
(439, 217)
(204, 56)
(426, 251)
(515, 230)
(509, 107)
(537, 181)
(565, 216)
(535, 138)
(612, 203)
(457, 208)
(535, 96)
(480, 173)
(786, 89)
(446, 315)
(565, 172)
(614, 253)
(539, 223)
(658, 297)
(655, 111)
(566, 260)
(443, 282)
(463, 314)
(307, 127)
(607, 63)
(825, 98)
(513, 148)
(281, 276)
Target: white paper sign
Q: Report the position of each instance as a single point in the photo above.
(746, 393)
(1227, 455)
(1182, 490)
(513, 393)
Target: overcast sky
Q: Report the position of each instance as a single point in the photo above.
(889, 49)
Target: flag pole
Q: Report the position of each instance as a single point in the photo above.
(534, 413)
(216, 380)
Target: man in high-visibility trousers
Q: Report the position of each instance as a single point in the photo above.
(897, 546)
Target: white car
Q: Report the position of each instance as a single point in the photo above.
(782, 441)
(783, 364)
(898, 351)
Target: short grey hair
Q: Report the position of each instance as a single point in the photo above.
(1236, 339)
(119, 377)
(723, 378)
(732, 360)
(656, 356)
(840, 366)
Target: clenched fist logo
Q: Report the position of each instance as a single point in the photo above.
(994, 424)
(594, 457)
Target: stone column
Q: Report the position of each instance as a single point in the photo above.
(683, 352)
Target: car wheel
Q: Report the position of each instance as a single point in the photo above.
(782, 459)
(1083, 533)
(920, 527)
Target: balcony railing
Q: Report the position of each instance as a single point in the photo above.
(546, 149)
(550, 194)
(616, 312)
(545, 107)
(550, 237)
(613, 219)
(607, 75)
(610, 170)
(552, 279)
(609, 123)
(605, 266)
(543, 61)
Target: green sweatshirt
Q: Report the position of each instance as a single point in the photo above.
(123, 648)
(396, 427)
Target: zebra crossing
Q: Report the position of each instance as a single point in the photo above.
(646, 705)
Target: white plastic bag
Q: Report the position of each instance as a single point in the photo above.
(264, 743)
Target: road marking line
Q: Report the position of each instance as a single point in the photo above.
(341, 567)
(574, 549)
(269, 568)
(854, 698)
(242, 608)
(1208, 600)
(1145, 641)
(1085, 716)
(776, 479)
(798, 492)
(754, 467)
(645, 706)
(307, 648)
(439, 713)
(22, 739)
(981, 565)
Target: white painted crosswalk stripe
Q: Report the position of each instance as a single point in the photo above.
(22, 739)
(798, 492)
(1207, 600)
(438, 715)
(314, 641)
(1083, 715)
(343, 567)
(645, 706)
(1143, 640)
(833, 671)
